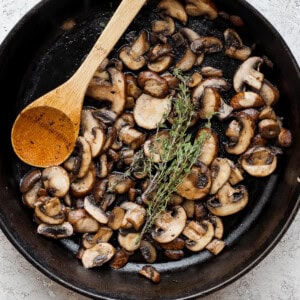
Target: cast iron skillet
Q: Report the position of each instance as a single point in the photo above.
(37, 56)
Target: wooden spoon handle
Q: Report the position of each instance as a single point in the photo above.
(115, 28)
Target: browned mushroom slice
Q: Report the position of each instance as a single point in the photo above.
(82, 222)
(153, 146)
(153, 84)
(158, 51)
(115, 218)
(124, 120)
(190, 34)
(105, 116)
(268, 128)
(97, 255)
(235, 20)
(220, 173)
(228, 200)
(176, 244)
(161, 64)
(55, 231)
(209, 103)
(131, 137)
(200, 211)
(150, 273)
(194, 80)
(240, 133)
(246, 100)
(103, 235)
(208, 44)
(94, 210)
(150, 111)
(83, 186)
(50, 211)
(94, 134)
(119, 260)
(187, 61)
(56, 181)
(174, 9)
(131, 86)
(169, 225)
(118, 183)
(148, 251)
(224, 111)
(134, 216)
(132, 56)
(259, 161)
(166, 26)
(234, 46)
(211, 72)
(189, 207)
(198, 235)
(248, 74)
(236, 175)
(174, 254)
(130, 241)
(206, 8)
(267, 113)
(29, 180)
(284, 138)
(269, 93)
(179, 39)
(30, 197)
(196, 184)
(210, 146)
(113, 91)
(218, 226)
(215, 246)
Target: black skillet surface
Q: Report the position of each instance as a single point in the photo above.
(38, 55)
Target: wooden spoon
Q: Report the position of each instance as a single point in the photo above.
(45, 132)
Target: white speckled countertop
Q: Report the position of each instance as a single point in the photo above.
(276, 277)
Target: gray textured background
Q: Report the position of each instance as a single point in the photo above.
(276, 277)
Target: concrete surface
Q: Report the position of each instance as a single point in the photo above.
(277, 277)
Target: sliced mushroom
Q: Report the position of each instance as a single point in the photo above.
(150, 111)
(248, 74)
(131, 137)
(60, 231)
(224, 111)
(236, 175)
(105, 116)
(210, 146)
(211, 72)
(135, 215)
(259, 161)
(153, 146)
(196, 185)
(240, 133)
(161, 64)
(97, 255)
(103, 235)
(284, 138)
(82, 222)
(190, 34)
(208, 104)
(148, 251)
(187, 61)
(174, 9)
(50, 211)
(153, 84)
(246, 100)
(151, 273)
(159, 51)
(267, 113)
(130, 241)
(215, 246)
(194, 80)
(56, 181)
(29, 180)
(268, 128)
(178, 39)
(208, 44)
(115, 218)
(119, 260)
(113, 91)
(205, 8)
(218, 226)
(176, 244)
(235, 20)
(118, 183)
(174, 254)
(166, 26)
(83, 186)
(189, 207)
(220, 173)
(200, 211)
(94, 210)
(234, 46)
(132, 57)
(269, 93)
(169, 225)
(228, 200)
(31, 197)
(198, 234)
(92, 131)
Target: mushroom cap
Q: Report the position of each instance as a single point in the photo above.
(150, 111)
(174, 9)
(55, 231)
(135, 215)
(169, 225)
(220, 171)
(94, 210)
(246, 100)
(206, 8)
(129, 241)
(187, 61)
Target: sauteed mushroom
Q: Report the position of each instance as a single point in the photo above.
(60, 231)
(201, 8)
(174, 9)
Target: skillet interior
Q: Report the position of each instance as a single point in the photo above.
(37, 56)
